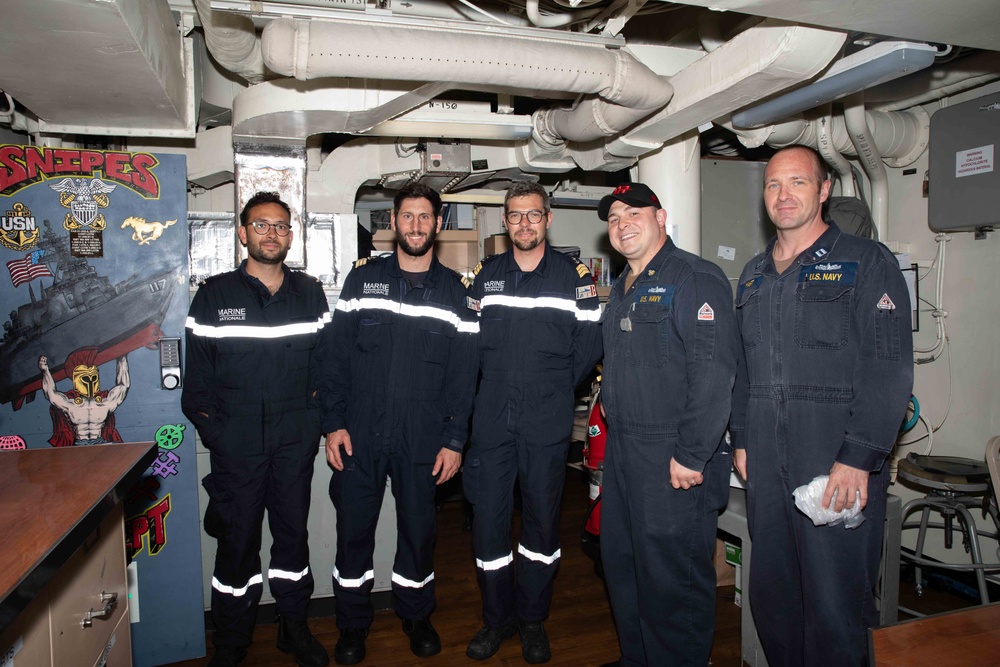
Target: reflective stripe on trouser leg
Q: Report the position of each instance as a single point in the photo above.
(357, 493)
(542, 475)
(289, 577)
(413, 489)
(235, 514)
(488, 480)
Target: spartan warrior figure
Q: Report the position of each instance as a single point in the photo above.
(84, 415)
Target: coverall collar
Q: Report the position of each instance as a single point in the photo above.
(541, 270)
(654, 265)
(432, 272)
(822, 247)
(254, 285)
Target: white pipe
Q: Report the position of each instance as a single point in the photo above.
(232, 41)
(871, 160)
(629, 90)
(556, 20)
(936, 82)
(832, 156)
(674, 174)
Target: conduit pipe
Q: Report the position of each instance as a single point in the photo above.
(871, 160)
(232, 41)
(936, 82)
(824, 144)
(629, 90)
(556, 20)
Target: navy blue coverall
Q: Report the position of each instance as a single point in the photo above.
(670, 355)
(826, 376)
(539, 338)
(400, 378)
(251, 371)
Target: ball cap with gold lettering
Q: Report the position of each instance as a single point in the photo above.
(633, 194)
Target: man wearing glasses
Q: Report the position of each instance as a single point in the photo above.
(253, 338)
(539, 338)
(397, 390)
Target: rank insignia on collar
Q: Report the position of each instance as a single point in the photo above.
(651, 273)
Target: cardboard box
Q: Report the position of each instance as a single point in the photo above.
(734, 556)
(495, 245)
(725, 574)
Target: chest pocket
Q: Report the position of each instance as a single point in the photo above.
(823, 315)
(435, 338)
(648, 340)
(554, 334)
(374, 330)
(748, 312)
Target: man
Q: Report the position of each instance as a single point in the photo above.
(821, 390)
(397, 392)
(253, 339)
(670, 350)
(85, 414)
(538, 339)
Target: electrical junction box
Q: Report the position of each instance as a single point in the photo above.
(964, 178)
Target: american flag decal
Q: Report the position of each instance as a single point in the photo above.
(29, 268)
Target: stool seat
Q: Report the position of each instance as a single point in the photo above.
(946, 473)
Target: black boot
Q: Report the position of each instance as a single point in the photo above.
(227, 656)
(350, 649)
(534, 643)
(487, 641)
(424, 639)
(294, 637)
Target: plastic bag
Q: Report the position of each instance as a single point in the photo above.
(809, 500)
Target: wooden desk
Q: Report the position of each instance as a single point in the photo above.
(955, 639)
(59, 507)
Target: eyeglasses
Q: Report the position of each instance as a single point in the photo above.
(261, 227)
(520, 217)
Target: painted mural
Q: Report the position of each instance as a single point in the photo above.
(98, 274)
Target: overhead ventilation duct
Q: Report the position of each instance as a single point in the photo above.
(232, 41)
(628, 90)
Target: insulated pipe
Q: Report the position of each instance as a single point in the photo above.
(857, 125)
(674, 174)
(556, 20)
(321, 48)
(824, 144)
(935, 82)
(232, 41)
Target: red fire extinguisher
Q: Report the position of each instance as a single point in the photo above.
(593, 460)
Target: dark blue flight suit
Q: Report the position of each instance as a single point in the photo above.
(539, 338)
(400, 379)
(826, 376)
(251, 373)
(670, 354)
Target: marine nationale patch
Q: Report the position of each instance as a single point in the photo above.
(586, 291)
(885, 303)
(705, 313)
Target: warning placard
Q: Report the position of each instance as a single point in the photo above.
(974, 161)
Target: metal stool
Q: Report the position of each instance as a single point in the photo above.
(955, 484)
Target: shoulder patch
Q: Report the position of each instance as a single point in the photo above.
(586, 292)
(582, 270)
(466, 282)
(361, 262)
(479, 267)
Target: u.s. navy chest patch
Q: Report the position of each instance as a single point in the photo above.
(829, 272)
(663, 294)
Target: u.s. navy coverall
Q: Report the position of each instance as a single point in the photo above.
(251, 374)
(670, 354)
(539, 338)
(826, 377)
(400, 378)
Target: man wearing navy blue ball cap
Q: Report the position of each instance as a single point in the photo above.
(670, 350)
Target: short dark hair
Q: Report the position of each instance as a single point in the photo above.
(819, 165)
(262, 198)
(417, 191)
(526, 189)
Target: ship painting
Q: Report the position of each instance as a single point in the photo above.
(79, 308)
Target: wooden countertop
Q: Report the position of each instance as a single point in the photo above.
(50, 500)
(960, 638)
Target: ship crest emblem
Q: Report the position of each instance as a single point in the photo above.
(84, 198)
(18, 231)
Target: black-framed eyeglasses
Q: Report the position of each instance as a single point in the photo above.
(533, 217)
(261, 227)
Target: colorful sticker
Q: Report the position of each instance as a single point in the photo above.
(705, 313)
(586, 292)
(885, 303)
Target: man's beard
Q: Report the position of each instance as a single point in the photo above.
(258, 254)
(527, 245)
(415, 251)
